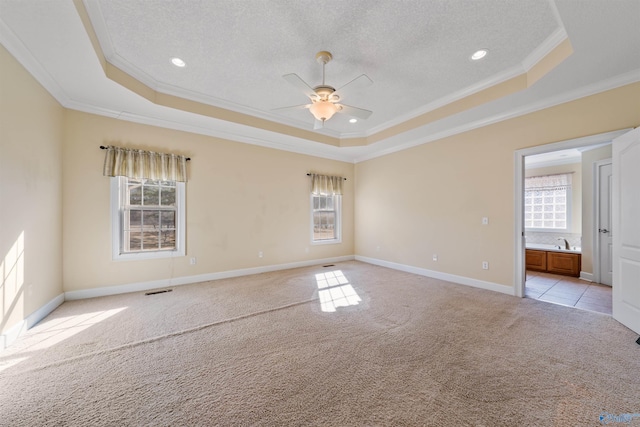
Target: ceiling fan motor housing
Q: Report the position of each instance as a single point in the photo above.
(325, 92)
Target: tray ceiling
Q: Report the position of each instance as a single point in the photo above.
(113, 57)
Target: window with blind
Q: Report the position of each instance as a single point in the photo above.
(147, 203)
(148, 218)
(547, 202)
(326, 218)
(326, 207)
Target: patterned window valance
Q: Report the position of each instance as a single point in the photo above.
(322, 184)
(548, 182)
(140, 164)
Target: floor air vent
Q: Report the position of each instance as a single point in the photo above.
(158, 292)
(329, 265)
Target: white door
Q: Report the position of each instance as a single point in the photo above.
(605, 235)
(626, 226)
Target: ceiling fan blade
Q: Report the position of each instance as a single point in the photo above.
(318, 124)
(360, 113)
(358, 83)
(292, 107)
(296, 81)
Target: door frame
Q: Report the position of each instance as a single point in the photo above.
(596, 218)
(518, 232)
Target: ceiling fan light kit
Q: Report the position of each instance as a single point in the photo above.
(323, 110)
(324, 98)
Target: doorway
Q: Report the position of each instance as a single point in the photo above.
(519, 231)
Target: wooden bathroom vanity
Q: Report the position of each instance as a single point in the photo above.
(556, 261)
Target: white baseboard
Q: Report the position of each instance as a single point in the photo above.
(7, 338)
(439, 275)
(586, 276)
(155, 284)
(12, 334)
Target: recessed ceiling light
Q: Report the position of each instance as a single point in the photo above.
(178, 62)
(353, 120)
(479, 54)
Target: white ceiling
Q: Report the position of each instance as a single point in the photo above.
(415, 51)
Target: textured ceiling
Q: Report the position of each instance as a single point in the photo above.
(415, 51)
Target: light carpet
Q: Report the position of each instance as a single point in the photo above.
(260, 350)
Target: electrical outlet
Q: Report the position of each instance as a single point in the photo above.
(193, 261)
(485, 220)
(485, 265)
(435, 257)
(260, 254)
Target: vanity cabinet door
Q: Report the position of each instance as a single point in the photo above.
(536, 260)
(561, 263)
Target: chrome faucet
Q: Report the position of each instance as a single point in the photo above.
(566, 244)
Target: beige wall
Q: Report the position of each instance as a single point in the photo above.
(30, 194)
(241, 199)
(575, 169)
(430, 199)
(588, 159)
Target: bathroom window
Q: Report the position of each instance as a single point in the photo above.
(547, 202)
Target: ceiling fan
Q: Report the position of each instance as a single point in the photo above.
(324, 98)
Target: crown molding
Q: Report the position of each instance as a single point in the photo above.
(217, 102)
(190, 95)
(115, 59)
(446, 100)
(602, 86)
(243, 134)
(111, 56)
(274, 140)
(23, 55)
(539, 53)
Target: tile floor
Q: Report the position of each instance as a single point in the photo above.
(569, 291)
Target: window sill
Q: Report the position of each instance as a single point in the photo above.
(326, 242)
(139, 256)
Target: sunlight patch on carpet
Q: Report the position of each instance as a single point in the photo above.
(67, 327)
(55, 331)
(335, 291)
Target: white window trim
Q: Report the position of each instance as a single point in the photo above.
(337, 203)
(116, 232)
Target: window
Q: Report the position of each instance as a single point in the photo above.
(325, 218)
(547, 202)
(147, 218)
(326, 198)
